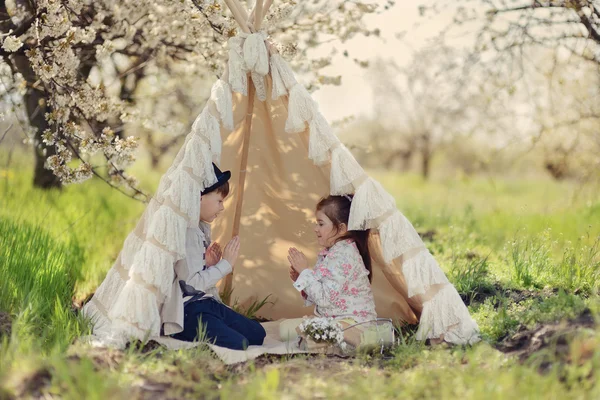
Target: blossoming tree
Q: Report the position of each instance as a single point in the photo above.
(72, 68)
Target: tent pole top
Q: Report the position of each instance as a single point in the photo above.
(238, 14)
(258, 14)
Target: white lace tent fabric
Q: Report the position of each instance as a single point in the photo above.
(283, 156)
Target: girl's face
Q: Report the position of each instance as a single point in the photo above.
(325, 231)
(212, 205)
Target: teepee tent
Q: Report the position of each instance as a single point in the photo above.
(263, 126)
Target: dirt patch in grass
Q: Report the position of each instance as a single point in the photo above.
(549, 343)
(5, 324)
(428, 235)
(316, 361)
(512, 295)
(520, 295)
(102, 358)
(32, 385)
(144, 348)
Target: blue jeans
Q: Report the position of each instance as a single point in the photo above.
(224, 327)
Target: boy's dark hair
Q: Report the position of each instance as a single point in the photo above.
(223, 190)
(337, 209)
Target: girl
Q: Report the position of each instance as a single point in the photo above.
(340, 283)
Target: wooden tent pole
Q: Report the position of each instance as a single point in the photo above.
(258, 14)
(265, 9)
(239, 201)
(237, 15)
(244, 160)
(243, 13)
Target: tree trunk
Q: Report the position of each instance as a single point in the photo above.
(36, 105)
(154, 160)
(36, 109)
(425, 155)
(425, 165)
(406, 157)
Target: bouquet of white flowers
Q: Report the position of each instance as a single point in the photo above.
(323, 330)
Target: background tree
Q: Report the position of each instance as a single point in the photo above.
(506, 29)
(541, 62)
(420, 107)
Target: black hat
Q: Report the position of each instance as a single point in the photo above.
(222, 178)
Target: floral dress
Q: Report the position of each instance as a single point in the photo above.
(339, 284)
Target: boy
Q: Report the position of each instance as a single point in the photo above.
(205, 265)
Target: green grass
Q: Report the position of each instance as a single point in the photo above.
(93, 215)
(520, 253)
(498, 209)
(38, 279)
(499, 317)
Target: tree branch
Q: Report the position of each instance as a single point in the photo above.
(217, 28)
(594, 34)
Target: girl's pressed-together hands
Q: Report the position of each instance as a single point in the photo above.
(298, 261)
(293, 274)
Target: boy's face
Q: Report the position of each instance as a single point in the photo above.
(212, 205)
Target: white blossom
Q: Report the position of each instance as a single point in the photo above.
(12, 43)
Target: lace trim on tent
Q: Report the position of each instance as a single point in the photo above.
(370, 202)
(256, 56)
(282, 75)
(220, 94)
(238, 79)
(421, 272)
(111, 286)
(154, 266)
(146, 269)
(182, 188)
(397, 236)
(184, 193)
(165, 181)
(103, 334)
(206, 126)
(345, 171)
(131, 245)
(169, 229)
(122, 271)
(164, 184)
(95, 311)
(96, 308)
(446, 316)
(197, 159)
(150, 210)
(301, 109)
(259, 85)
(248, 53)
(135, 312)
(321, 140)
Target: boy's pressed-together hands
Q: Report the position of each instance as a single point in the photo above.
(232, 250)
(214, 253)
